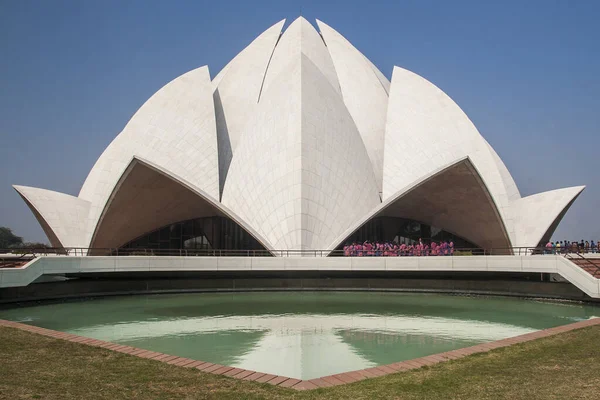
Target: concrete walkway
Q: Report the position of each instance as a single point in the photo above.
(60, 265)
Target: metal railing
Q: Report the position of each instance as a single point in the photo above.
(14, 255)
(584, 262)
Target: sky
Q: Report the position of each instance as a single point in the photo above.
(72, 73)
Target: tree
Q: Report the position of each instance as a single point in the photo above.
(34, 245)
(9, 239)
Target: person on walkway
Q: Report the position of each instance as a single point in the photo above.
(433, 249)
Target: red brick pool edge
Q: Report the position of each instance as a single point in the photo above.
(284, 381)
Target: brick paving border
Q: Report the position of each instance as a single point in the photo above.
(309, 384)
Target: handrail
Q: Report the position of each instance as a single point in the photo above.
(570, 256)
(33, 252)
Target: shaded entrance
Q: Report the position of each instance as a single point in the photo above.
(404, 231)
(149, 209)
(454, 199)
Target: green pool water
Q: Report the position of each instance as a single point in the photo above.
(301, 334)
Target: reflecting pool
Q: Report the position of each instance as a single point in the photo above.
(302, 335)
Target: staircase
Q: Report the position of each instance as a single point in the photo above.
(9, 260)
(589, 265)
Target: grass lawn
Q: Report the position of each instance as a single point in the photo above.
(565, 366)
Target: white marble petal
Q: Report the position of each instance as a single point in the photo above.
(512, 191)
(538, 215)
(426, 129)
(382, 78)
(363, 93)
(301, 38)
(175, 127)
(301, 175)
(237, 90)
(63, 217)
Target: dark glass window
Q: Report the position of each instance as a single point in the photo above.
(218, 233)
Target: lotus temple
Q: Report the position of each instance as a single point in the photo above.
(299, 143)
(225, 206)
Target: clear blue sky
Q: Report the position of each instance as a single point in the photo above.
(526, 72)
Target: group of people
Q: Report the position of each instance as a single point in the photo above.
(420, 248)
(392, 249)
(565, 246)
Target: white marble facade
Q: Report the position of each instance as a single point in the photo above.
(300, 139)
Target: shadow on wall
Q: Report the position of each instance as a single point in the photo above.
(223, 142)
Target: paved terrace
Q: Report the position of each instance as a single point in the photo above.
(60, 265)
